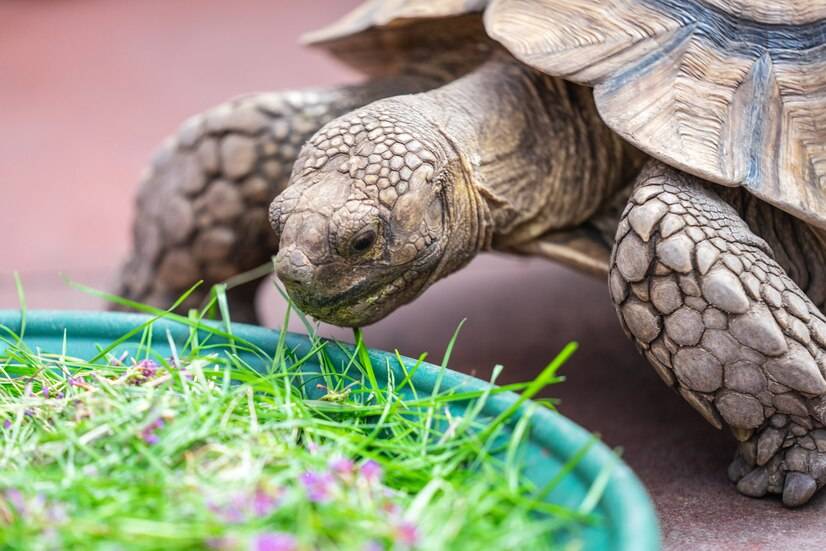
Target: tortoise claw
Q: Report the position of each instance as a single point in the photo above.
(798, 489)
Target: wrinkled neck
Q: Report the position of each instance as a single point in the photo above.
(533, 146)
(468, 219)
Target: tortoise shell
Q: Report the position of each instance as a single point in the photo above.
(732, 91)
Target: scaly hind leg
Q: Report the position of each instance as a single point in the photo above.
(202, 205)
(722, 322)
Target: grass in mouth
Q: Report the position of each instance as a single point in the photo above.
(208, 449)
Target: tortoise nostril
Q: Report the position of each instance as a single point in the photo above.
(293, 267)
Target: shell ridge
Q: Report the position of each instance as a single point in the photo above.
(677, 40)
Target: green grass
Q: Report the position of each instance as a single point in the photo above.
(207, 450)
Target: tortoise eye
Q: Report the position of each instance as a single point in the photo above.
(363, 242)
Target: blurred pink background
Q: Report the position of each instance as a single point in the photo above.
(88, 88)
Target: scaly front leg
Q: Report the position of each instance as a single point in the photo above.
(722, 322)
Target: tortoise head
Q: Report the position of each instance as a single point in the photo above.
(369, 218)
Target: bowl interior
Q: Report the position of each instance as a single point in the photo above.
(627, 518)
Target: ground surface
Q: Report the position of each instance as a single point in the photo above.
(89, 87)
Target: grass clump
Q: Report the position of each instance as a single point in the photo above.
(214, 443)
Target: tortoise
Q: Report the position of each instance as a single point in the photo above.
(677, 149)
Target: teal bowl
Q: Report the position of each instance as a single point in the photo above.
(626, 515)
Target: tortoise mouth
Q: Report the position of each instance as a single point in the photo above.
(314, 303)
(354, 307)
(370, 299)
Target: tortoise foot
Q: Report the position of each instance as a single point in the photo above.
(785, 458)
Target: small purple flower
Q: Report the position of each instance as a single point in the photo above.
(263, 502)
(17, 500)
(371, 471)
(260, 503)
(406, 533)
(232, 512)
(390, 508)
(46, 392)
(342, 467)
(319, 486)
(7, 424)
(148, 434)
(79, 382)
(144, 371)
(236, 510)
(148, 368)
(273, 541)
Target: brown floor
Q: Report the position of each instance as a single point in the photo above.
(89, 87)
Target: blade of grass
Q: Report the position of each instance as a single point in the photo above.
(21, 299)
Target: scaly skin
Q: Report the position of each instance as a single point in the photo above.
(388, 199)
(721, 321)
(202, 205)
